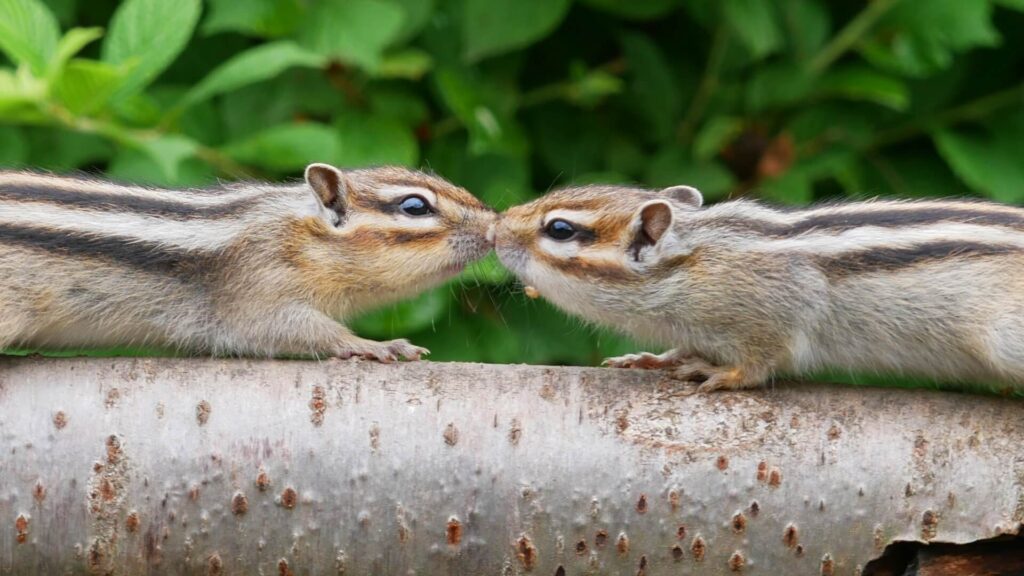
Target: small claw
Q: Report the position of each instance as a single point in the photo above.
(405, 349)
(643, 360)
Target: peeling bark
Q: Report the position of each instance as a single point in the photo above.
(150, 466)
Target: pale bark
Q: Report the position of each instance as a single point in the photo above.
(190, 466)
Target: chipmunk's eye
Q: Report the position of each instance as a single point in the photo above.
(560, 229)
(415, 206)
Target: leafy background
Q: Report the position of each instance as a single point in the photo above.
(789, 101)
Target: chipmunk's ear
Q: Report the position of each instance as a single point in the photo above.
(686, 194)
(328, 183)
(653, 220)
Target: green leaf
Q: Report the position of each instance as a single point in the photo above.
(254, 65)
(484, 109)
(778, 85)
(409, 64)
(150, 34)
(715, 135)
(492, 27)
(920, 38)
(592, 87)
(64, 150)
(567, 140)
(28, 33)
(909, 173)
(71, 44)
(673, 165)
(756, 23)
(652, 87)
(17, 90)
(168, 152)
(13, 148)
(354, 31)
(267, 18)
(866, 84)
(366, 140)
(796, 185)
(634, 9)
(848, 122)
(288, 147)
(138, 166)
(405, 317)
(990, 163)
(485, 271)
(1011, 4)
(417, 15)
(807, 25)
(86, 85)
(397, 102)
(258, 107)
(500, 181)
(64, 10)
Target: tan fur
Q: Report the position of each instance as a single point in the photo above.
(273, 275)
(742, 291)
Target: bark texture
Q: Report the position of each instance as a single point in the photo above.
(186, 466)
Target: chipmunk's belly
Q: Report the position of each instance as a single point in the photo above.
(91, 335)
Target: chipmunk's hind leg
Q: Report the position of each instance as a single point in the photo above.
(1006, 346)
(704, 377)
(14, 328)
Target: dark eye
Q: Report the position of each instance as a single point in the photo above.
(560, 229)
(415, 206)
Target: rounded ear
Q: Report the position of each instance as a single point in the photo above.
(655, 219)
(686, 194)
(328, 183)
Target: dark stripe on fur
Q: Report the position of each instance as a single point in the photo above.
(142, 255)
(889, 259)
(581, 268)
(107, 202)
(839, 222)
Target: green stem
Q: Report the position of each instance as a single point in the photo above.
(973, 110)
(851, 34)
(134, 137)
(560, 90)
(708, 85)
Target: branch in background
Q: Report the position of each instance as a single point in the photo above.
(851, 34)
(707, 86)
(134, 137)
(561, 90)
(974, 110)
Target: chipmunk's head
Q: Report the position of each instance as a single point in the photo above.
(581, 246)
(390, 232)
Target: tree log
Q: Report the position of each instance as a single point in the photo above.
(200, 466)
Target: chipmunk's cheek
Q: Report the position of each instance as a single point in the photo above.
(512, 257)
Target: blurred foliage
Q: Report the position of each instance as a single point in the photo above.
(792, 101)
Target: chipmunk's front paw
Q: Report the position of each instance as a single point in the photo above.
(645, 360)
(704, 377)
(402, 348)
(386, 352)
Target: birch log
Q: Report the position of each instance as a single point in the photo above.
(218, 467)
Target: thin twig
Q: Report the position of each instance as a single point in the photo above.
(555, 91)
(973, 110)
(707, 86)
(851, 34)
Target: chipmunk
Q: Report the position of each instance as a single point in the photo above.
(243, 269)
(743, 291)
